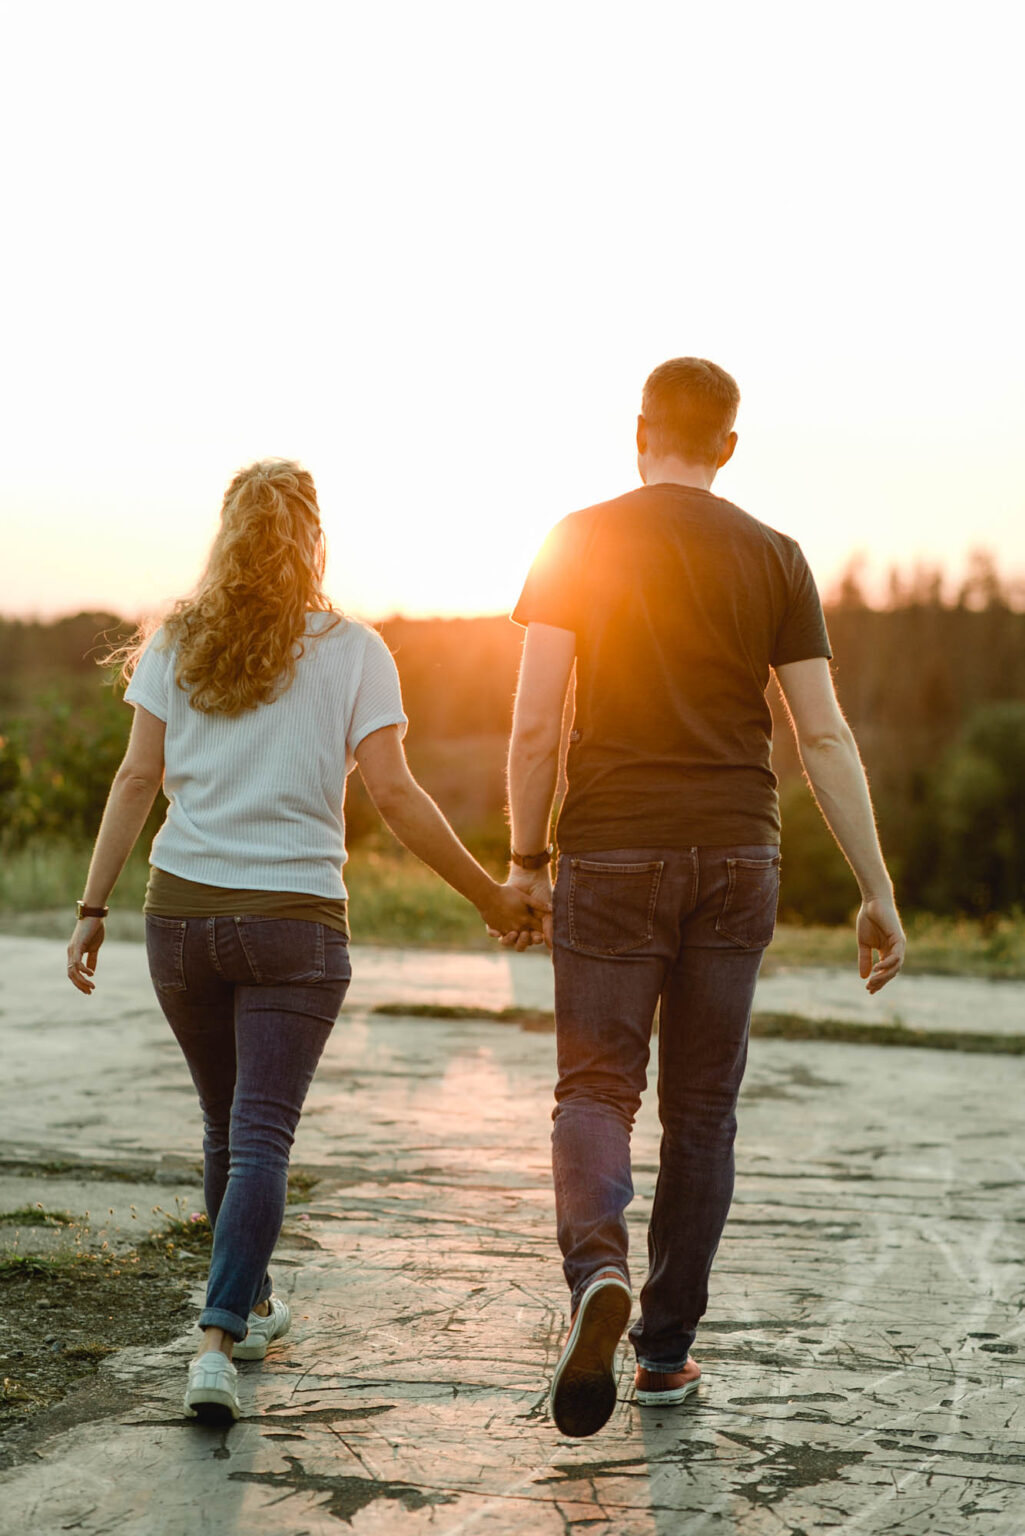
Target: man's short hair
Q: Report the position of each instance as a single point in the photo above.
(690, 406)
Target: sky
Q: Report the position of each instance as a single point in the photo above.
(433, 251)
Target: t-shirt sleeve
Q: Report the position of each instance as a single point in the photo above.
(802, 634)
(551, 593)
(153, 678)
(379, 695)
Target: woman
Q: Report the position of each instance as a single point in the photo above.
(252, 703)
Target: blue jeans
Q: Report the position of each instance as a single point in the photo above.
(251, 1001)
(636, 928)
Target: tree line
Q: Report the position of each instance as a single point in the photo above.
(933, 686)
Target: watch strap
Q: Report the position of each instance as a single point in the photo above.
(532, 860)
(81, 910)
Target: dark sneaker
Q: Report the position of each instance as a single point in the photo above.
(584, 1384)
(663, 1388)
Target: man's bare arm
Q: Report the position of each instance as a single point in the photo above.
(829, 755)
(545, 669)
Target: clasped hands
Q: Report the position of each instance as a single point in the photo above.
(520, 914)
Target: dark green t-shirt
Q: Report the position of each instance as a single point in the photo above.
(681, 603)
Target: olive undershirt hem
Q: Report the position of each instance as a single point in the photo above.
(169, 895)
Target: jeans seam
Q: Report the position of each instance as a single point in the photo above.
(257, 978)
(211, 945)
(695, 880)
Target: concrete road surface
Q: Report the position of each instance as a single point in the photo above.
(864, 1351)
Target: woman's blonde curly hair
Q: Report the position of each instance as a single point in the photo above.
(239, 635)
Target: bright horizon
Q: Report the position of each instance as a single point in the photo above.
(434, 253)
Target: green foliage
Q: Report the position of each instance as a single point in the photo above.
(816, 885)
(935, 693)
(980, 803)
(56, 767)
(394, 899)
(43, 876)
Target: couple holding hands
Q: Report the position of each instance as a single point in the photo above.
(255, 699)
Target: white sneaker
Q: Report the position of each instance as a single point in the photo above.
(263, 1329)
(212, 1393)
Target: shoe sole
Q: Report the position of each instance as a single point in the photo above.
(665, 1399)
(257, 1351)
(214, 1407)
(583, 1392)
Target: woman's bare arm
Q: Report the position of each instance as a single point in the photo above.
(130, 801)
(417, 822)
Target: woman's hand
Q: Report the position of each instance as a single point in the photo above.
(82, 952)
(515, 916)
(534, 886)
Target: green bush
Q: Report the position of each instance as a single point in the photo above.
(980, 801)
(816, 885)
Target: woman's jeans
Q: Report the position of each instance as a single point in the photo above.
(635, 929)
(251, 1001)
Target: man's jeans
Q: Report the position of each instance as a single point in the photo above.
(251, 1001)
(683, 929)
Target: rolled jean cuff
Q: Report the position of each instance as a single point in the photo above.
(215, 1317)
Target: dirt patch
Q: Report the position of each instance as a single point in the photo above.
(72, 1293)
(59, 1318)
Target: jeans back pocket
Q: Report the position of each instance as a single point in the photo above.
(282, 950)
(165, 951)
(748, 914)
(612, 906)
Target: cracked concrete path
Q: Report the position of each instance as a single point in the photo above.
(864, 1351)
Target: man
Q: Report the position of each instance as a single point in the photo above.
(675, 606)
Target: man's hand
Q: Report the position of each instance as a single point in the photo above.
(535, 887)
(82, 951)
(512, 915)
(879, 929)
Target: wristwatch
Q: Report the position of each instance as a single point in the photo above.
(81, 910)
(533, 860)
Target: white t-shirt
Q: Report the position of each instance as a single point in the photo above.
(256, 799)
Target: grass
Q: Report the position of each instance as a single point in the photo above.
(44, 876)
(301, 1184)
(770, 1026)
(938, 946)
(92, 1353)
(22, 1265)
(96, 1303)
(36, 1216)
(182, 1229)
(396, 900)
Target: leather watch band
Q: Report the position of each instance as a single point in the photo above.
(533, 860)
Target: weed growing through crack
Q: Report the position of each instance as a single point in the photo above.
(36, 1216)
(301, 1184)
(184, 1232)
